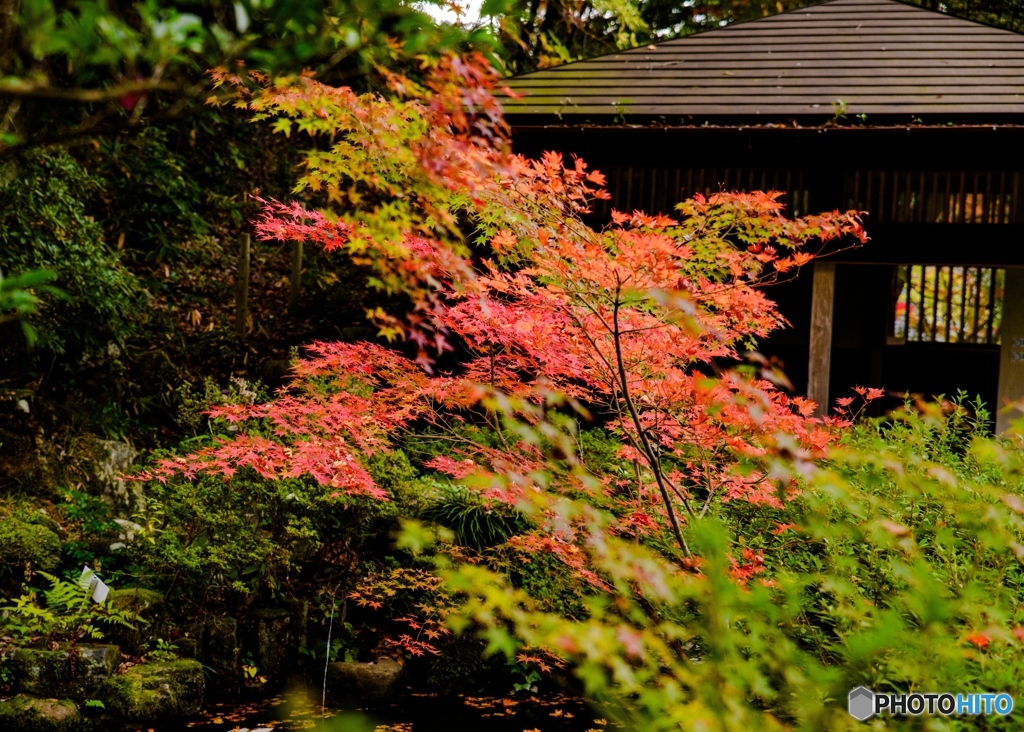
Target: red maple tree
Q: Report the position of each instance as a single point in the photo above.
(637, 324)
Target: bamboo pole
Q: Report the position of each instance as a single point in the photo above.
(296, 279)
(242, 294)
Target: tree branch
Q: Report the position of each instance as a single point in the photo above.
(37, 90)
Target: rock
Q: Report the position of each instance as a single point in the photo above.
(28, 714)
(372, 683)
(146, 603)
(149, 605)
(268, 637)
(49, 674)
(188, 647)
(110, 459)
(152, 692)
(221, 654)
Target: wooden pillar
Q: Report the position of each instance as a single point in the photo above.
(820, 358)
(1011, 352)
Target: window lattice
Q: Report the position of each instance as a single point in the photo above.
(659, 189)
(942, 304)
(935, 197)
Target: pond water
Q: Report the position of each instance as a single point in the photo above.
(298, 710)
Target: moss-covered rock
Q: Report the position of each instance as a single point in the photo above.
(154, 691)
(54, 674)
(269, 638)
(108, 460)
(146, 603)
(221, 653)
(464, 668)
(188, 647)
(150, 607)
(371, 683)
(28, 714)
(24, 543)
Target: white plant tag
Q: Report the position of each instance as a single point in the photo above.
(99, 590)
(92, 584)
(85, 581)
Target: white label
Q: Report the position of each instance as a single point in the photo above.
(99, 590)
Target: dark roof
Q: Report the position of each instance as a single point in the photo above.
(880, 57)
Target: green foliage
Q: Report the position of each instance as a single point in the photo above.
(227, 538)
(475, 523)
(896, 567)
(211, 541)
(90, 520)
(543, 577)
(160, 650)
(26, 545)
(94, 68)
(65, 612)
(150, 196)
(18, 298)
(45, 224)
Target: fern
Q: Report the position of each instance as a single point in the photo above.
(66, 613)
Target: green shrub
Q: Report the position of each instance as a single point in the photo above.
(45, 224)
(24, 544)
(898, 566)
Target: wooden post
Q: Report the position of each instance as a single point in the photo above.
(242, 294)
(1011, 350)
(820, 357)
(296, 280)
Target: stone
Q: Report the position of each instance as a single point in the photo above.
(149, 605)
(24, 713)
(48, 674)
(146, 603)
(152, 692)
(110, 460)
(220, 652)
(268, 638)
(188, 647)
(371, 683)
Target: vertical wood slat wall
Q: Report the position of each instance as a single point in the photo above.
(935, 197)
(947, 304)
(658, 189)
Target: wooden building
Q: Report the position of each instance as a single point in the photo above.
(911, 115)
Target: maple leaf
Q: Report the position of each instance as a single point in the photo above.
(780, 528)
(979, 640)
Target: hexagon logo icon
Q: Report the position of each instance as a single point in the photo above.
(861, 703)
